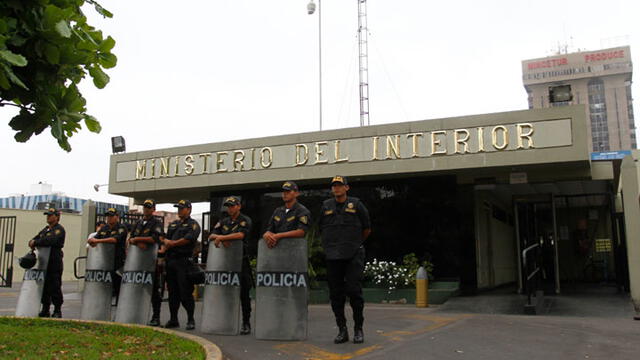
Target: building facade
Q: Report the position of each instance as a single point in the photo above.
(599, 79)
(470, 193)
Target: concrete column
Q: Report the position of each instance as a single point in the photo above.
(630, 179)
(87, 226)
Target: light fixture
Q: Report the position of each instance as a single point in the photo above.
(311, 7)
(117, 144)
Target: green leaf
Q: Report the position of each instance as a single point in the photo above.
(52, 54)
(100, 79)
(14, 79)
(92, 124)
(4, 82)
(62, 27)
(107, 44)
(107, 60)
(56, 129)
(13, 59)
(102, 11)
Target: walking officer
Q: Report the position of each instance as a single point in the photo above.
(344, 226)
(51, 236)
(237, 226)
(290, 220)
(146, 232)
(113, 233)
(181, 239)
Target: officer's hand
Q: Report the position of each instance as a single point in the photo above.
(32, 244)
(167, 243)
(216, 242)
(142, 245)
(92, 242)
(213, 236)
(132, 240)
(226, 243)
(162, 249)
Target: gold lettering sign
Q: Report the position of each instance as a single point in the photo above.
(301, 160)
(320, 152)
(516, 136)
(266, 157)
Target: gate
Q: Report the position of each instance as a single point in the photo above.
(129, 220)
(7, 237)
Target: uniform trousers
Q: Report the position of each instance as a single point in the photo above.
(52, 290)
(344, 277)
(180, 287)
(246, 281)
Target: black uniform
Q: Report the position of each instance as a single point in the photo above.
(341, 227)
(119, 232)
(52, 237)
(152, 228)
(297, 217)
(242, 224)
(178, 262)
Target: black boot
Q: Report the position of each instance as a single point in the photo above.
(343, 335)
(57, 313)
(191, 324)
(173, 323)
(44, 312)
(246, 328)
(358, 335)
(155, 321)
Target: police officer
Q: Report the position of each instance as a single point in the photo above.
(290, 220)
(146, 232)
(51, 236)
(181, 239)
(344, 226)
(237, 226)
(113, 233)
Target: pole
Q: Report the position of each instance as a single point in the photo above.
(320, 59)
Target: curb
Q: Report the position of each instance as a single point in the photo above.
(212, 351)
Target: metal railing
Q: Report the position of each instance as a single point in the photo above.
(531, 269)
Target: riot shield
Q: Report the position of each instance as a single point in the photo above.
(281, 290)
(134, 302)
(221, 301)
(98, 283)
(33, 285)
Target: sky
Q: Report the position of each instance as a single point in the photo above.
(193, 72)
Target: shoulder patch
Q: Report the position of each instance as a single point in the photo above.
(120, 231)
(57, 232)
(195, 226)
(158, 229)
(243, 223)
(277, 218)
(304, 219)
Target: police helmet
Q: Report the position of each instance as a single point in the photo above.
(28, 261)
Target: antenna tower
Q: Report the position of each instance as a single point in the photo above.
(363, 60)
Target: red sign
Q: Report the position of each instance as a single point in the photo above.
(605, 55)
(547, 63)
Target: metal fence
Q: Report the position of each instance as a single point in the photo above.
(7, 238)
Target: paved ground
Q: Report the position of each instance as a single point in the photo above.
(594, 323)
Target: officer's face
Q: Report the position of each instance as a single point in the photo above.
(339, 189)
(289, 195)
(112, 219)
(146, 211)
(52, 219)
(184, 212)
(233, 210)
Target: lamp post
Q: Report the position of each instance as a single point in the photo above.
(311, 8)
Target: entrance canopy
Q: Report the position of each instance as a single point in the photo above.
(545, 144)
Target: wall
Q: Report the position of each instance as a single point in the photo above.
(630, 176)
(495, 244)
(29, 223)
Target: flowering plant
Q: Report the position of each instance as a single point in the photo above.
(391, 275)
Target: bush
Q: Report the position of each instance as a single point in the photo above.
(390, 275)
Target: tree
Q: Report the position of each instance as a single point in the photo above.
(46, 49)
